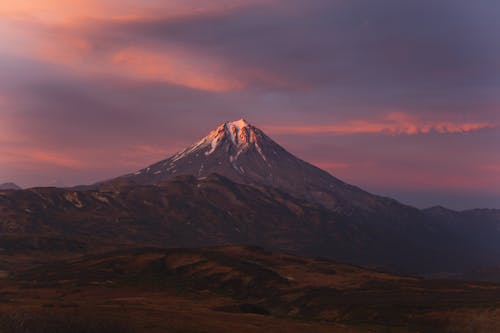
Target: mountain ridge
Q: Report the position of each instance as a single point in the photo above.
(237, 186)
(189, 212)
(9, 186)
(245, 154)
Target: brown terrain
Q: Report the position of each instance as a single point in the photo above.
(233, 289)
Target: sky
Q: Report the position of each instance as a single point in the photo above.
(401, 98)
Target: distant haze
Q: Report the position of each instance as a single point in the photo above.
(401, 98)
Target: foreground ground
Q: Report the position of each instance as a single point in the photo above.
(231, 289)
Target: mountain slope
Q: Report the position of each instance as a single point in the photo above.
(480, 226)
(190, 212)
(237, 186)
(9, 186)
(245, 154)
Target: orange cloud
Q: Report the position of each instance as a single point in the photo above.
(70, 10)
(56, 159)
(393, 123)
(176, 68)
(34, 157)
(68, 46)
(60, 33)
(70, 51)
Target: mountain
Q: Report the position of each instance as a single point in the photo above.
(187, 211)
(480, 227)
(245, 154)
(9, 186)
(237, 186)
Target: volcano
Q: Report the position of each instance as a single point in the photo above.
(238, 186)
(245, 154)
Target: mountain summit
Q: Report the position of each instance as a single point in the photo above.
(245, 154)
(235, 149)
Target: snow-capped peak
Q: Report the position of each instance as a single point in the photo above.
(239, 124)
(240, 132)
(233, 137)
(243, 153)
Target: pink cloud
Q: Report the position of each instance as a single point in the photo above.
(70, 45)
(174, 67)
(380, 175)
(139, 156)
(494, 168)
(31, 158)
(132, 157)
(396, 123)
(71, 10)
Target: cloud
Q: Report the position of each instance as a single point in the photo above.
(179, 69)
(321, 45)
(71, 10)
(84, 51)
(332, 43)
(493, 168)
(139, 156)
(32, 158)
(393, 123)
(173, 66)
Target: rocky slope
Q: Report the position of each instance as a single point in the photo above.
(237, 186)
(213, 210)
(245, 154)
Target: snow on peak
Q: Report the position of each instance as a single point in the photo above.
(240, 132)
(239, 124)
